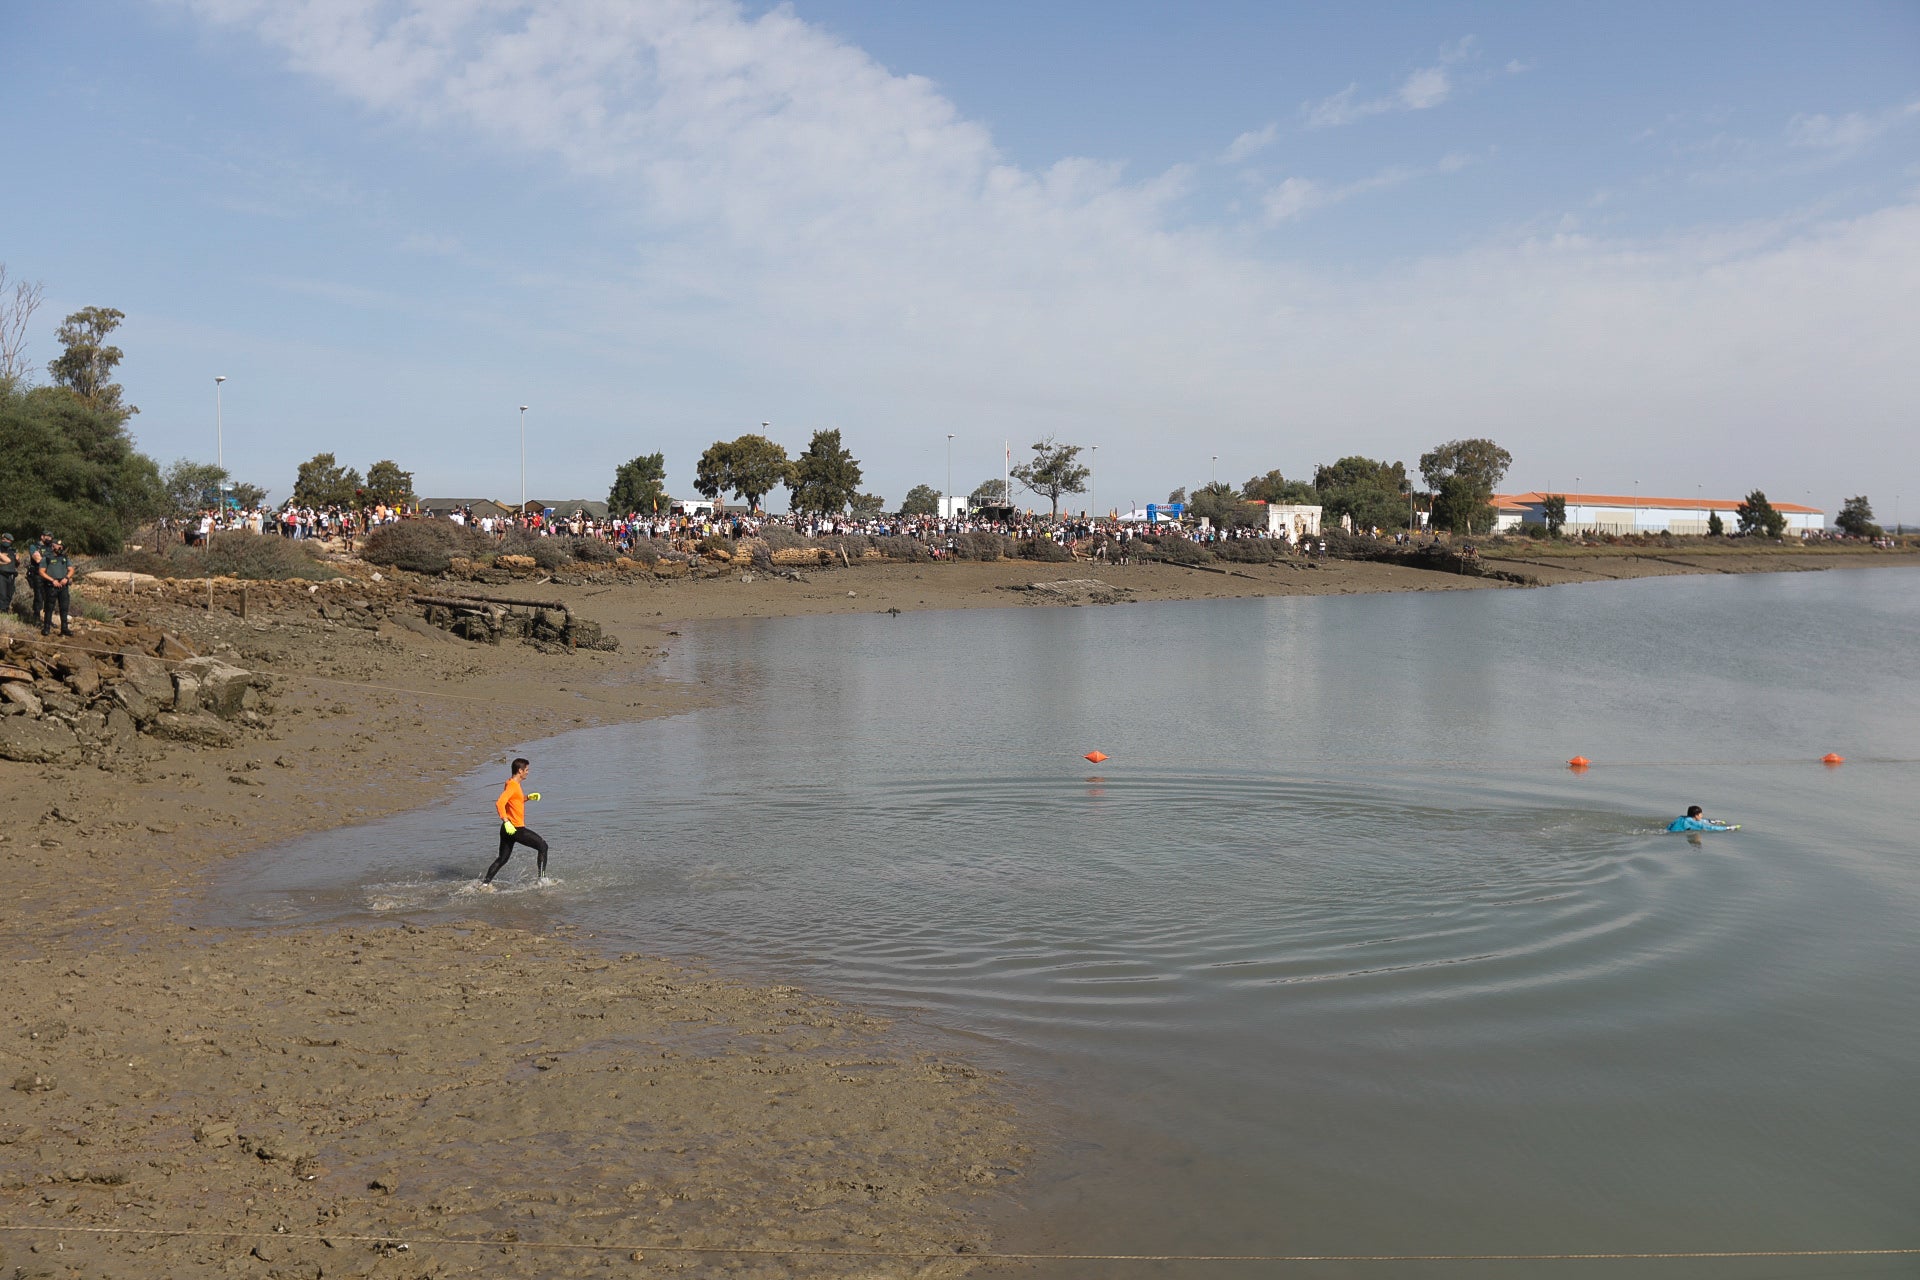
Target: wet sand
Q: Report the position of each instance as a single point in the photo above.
(308, 1100)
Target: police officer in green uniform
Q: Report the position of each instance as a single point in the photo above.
(35, 554)
(9, 572)
(56, 583)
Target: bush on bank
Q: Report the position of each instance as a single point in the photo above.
(422, 546)
(226, 555)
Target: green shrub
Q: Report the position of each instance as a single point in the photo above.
(254, 556)
(899, 547)
(1045, 550)
(151, 562)
(595, 551)
(781, 537)
(981, 545)
(1248, 550)
(718, 542)
(645, 551)
(548, 553)
(261, 557)
(1171, 551)
(422, 546)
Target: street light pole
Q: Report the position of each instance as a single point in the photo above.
(948, 513)
(523, 460)
(1093, 463)
(219, 426)
(1636, 508)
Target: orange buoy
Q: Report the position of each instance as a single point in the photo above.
(1833, 757)
(1578, 762)
(1095, 756)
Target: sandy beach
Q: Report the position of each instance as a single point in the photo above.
(443, 1100)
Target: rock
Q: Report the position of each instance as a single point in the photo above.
(22, 696)
(33, 1082)
(10, 672)
(200, 728)
(58, 700)
(129, 701)
(33, 741)
(518, 564)
(186, 691)
(171, 649)
(220, 686)
(282, 1148)
(150, 678)
(121, 729)
(82, 677)
(214, 1133)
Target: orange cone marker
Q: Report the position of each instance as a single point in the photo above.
(1095, 756)
(1578, 763)
(1833, 757)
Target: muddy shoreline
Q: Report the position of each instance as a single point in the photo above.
(308, 1094)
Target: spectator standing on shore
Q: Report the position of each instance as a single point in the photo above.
(9, 572)
(512, 808)
(56, 576)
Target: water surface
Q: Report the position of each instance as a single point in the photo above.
(1332, 955)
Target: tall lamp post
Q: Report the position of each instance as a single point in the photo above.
(219, 426)
(523, 460)
(1093, 463)
(1636, 508)
(948, 513)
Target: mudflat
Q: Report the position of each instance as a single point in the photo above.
(435, 1100)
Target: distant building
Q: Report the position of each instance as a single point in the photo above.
(565, 508)
(479, 506)
(1295, 520)
(1612, 513)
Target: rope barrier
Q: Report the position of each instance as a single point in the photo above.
(970, 1256)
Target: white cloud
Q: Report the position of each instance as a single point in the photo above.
(1250, 143)
(1422, 90)
(1849, 134)
(1425, 88)
(848, 240)
(1296, 197)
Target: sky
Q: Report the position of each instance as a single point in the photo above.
(1671, 247)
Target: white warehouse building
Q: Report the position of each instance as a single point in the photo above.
(1612, 513)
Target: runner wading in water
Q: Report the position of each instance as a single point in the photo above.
(512, 808)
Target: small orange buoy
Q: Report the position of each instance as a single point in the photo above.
(1095, 756)
(1578, 762)
(1833, 757)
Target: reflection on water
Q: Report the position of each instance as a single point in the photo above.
(1331, 955)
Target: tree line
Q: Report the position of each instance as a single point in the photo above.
(73, 465)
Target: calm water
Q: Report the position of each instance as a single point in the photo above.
(1333, 955)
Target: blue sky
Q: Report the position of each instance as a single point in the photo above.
(1676, 245)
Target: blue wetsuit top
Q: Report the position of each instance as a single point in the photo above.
(1696, 824)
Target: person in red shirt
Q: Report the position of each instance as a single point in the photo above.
(512, 808)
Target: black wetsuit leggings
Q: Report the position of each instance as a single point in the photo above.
(531, 839)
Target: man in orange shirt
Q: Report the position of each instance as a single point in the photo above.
(512, 808)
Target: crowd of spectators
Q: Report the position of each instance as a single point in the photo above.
(1098, 538)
